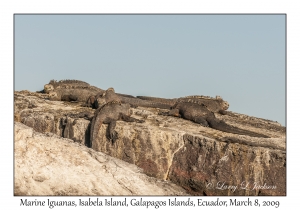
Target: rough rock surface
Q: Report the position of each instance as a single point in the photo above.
(202, 160)
(46, 164)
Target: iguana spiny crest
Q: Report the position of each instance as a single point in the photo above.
(67, 84)
(68, 81)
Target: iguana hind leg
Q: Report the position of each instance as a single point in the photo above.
(112, 134)
(202, 121)
(173, 112)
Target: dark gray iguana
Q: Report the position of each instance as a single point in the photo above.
(70, 90)
(202, 115)
(216, 105)
(75, 90)
(66, 84)
(110, 110)
(199, 109)
(74, 94)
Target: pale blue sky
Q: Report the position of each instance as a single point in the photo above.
(239, 57)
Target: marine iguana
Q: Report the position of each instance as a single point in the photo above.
(73, 94)
(217, 104)
(202, 115)
(75, 90)
(66, 84)
(70, 90)
(110, 110)
(109, 114)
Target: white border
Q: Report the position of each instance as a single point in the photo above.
(9, 7)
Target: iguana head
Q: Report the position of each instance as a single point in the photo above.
(48, 88)
(224, 104)
(110, 89)
(100, 101)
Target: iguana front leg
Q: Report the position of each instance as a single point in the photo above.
(112, 134)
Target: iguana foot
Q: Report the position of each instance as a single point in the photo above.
(113, 136)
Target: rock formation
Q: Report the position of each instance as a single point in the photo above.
(68, 168)
(202, 160)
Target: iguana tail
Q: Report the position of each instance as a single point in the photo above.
(125, 95)
(95, 127)
(167, 101)
(222, 126)
(144, 103)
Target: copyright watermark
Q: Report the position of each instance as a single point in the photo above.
(242, 186)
